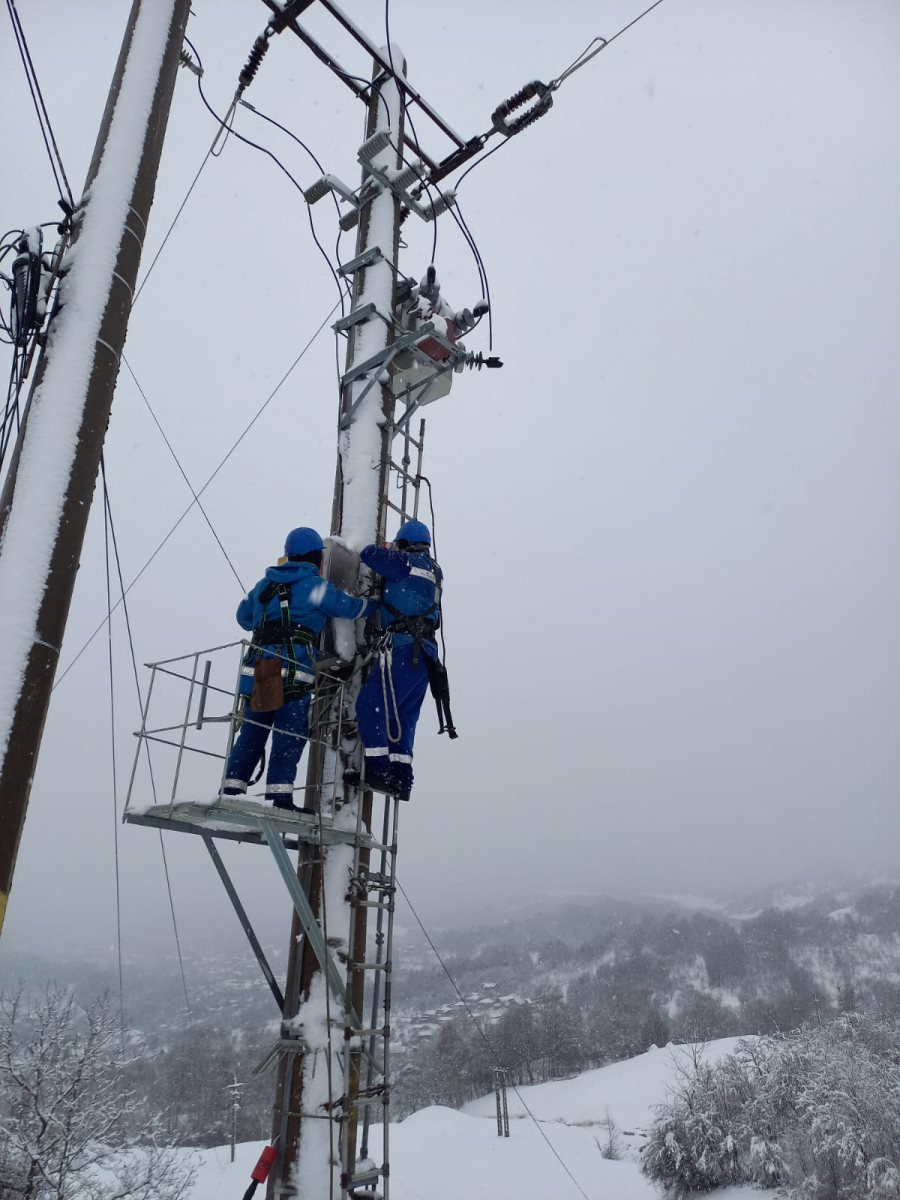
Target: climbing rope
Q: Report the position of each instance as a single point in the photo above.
(386, 664)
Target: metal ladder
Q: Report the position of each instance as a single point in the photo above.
(367, 1057)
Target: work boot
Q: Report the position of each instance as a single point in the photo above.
(233, 787)
(286, 804)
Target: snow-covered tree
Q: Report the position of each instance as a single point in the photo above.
(69, 1129)
(816, 1112)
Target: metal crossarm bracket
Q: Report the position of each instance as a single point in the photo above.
(386, 356)
(378, 362)
(286, 1044)
(354, 318)
(307, 918)
(372, 255)
(427, 212)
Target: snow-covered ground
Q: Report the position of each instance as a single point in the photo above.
(442, 1154)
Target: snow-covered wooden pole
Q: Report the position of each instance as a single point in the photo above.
(308, 1164)
(48, 490)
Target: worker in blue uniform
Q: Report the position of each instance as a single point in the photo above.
(390, 699)
(286, 611)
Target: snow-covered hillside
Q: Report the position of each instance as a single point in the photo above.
(442, 1154)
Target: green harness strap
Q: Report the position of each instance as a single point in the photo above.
(290, 636)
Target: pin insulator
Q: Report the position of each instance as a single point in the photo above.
(317, 190)
(407, 177)
(444, 201)
(374, 145)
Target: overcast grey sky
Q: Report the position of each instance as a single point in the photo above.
(668, 526)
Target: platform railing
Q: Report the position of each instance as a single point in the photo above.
(181, 713)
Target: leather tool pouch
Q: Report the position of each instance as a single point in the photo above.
(268, 689)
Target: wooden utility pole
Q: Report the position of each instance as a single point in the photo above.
(47, 494)
(305, 1131)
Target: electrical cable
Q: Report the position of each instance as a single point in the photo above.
(554, 85)
(172, 226)
(485, 283)
(112, 733)
(40, 107)
(200, 492)
(187, 1002)
(486, 1040)
(479, 161)
(479, 264)
(284, 129)
(183, 473)
(137, 684)
(406, 111)
(278, 163)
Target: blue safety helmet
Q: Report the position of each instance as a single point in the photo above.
(302, 541)
(413, 531)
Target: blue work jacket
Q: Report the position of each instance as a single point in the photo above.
(412, 587)
(312, 601)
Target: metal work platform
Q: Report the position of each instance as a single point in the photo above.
(176, 791)
(246, 821)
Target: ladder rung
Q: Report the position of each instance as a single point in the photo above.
(403, 473)
(382, 1031)
(370, 966)
(367, 1178)
(387, 905)
(401, 431)
(368, 1101)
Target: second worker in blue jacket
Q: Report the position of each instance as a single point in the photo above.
(390, 699)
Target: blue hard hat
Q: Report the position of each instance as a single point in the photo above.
(413, 531)
(302, 541)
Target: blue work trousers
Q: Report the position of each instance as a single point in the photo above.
(387, 711)
(290, 730)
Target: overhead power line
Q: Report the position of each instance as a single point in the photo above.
(201, 490)
(110, 534)
(183, 472)
(274, 157)
(40, 108)
(590, 52)
(486, 1039)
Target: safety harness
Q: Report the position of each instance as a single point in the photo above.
(283, 633)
